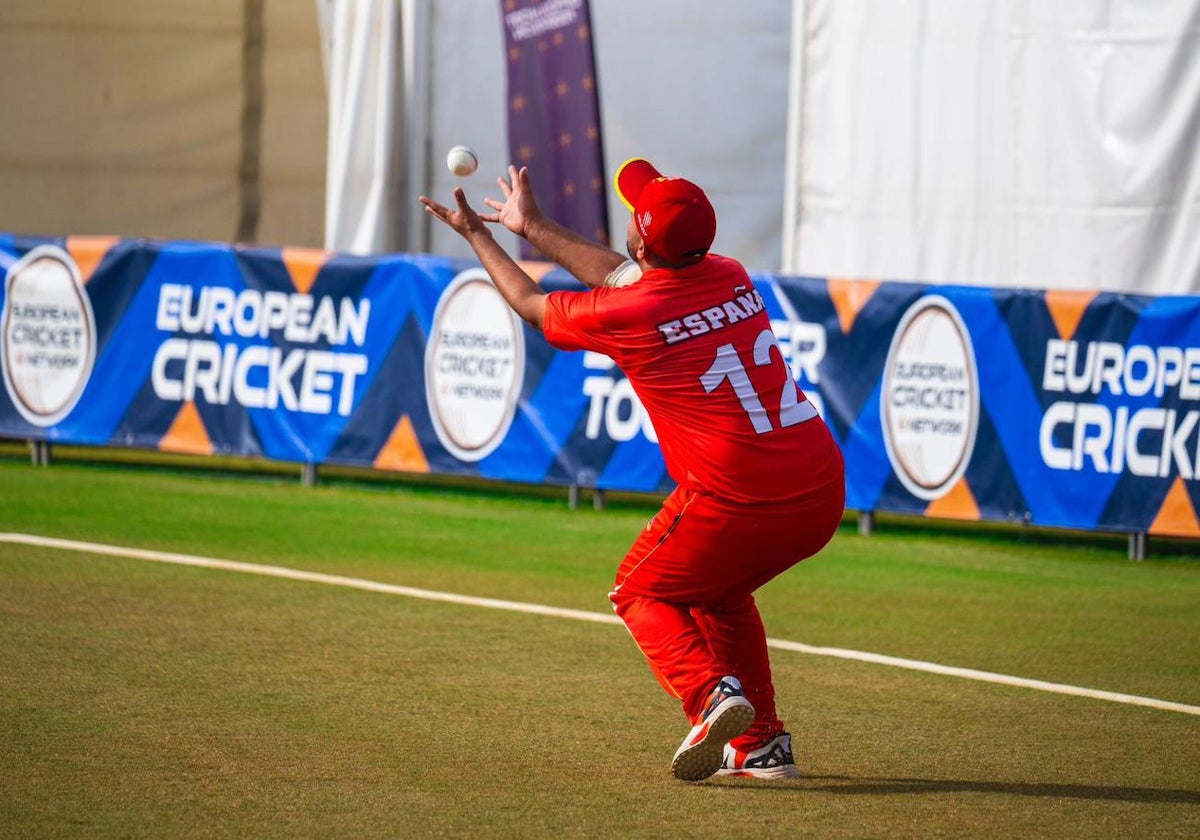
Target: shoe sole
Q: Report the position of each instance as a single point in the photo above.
(787, 771)
(695, 762)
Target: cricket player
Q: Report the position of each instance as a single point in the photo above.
(760, 480)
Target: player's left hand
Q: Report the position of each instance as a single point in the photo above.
(519, 208)
(464, 220)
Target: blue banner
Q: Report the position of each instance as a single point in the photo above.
(1068, 409)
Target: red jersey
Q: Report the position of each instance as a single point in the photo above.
(697, 346)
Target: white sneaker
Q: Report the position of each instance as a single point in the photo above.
(726, 715)
(772, 761)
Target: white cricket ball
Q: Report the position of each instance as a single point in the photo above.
(462, 161)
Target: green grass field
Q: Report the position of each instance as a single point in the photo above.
(140, 699)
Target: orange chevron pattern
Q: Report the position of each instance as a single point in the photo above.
(303, 265)
(959, 503)
(187, 433)
(402, 451)
(88, 251)
(1067, 308)
(1177, 516)
(849, 297)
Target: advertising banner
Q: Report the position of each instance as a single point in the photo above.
(554, 112)
(1067, 409)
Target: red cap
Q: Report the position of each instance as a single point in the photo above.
(673, 215)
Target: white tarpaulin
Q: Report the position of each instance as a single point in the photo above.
(361, 45)
(1050, 145)
(700, 90)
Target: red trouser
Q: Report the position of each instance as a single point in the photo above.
(685, 591)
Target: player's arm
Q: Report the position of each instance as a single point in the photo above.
(516, 287)
(589, 261)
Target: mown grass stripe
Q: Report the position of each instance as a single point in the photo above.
(577, 615)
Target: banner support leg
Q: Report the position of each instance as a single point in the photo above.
(308, 474)
(39, 453)
(598, 499)
(1137, 545)
(866, 522)
(573, 497)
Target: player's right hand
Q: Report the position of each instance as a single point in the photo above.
(464, 220)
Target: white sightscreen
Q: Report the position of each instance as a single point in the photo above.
(1043, 144)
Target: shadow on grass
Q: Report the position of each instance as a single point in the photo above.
(889, 787)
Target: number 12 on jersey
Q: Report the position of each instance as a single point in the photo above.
(727, 365)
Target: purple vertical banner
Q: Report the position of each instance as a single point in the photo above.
(554, 112)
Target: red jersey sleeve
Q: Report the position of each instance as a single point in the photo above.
(575, 321)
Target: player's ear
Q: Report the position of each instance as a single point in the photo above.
(637, 244)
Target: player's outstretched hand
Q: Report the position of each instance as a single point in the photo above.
(519, 207)
(464, 220)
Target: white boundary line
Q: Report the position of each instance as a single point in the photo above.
(577, 615)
